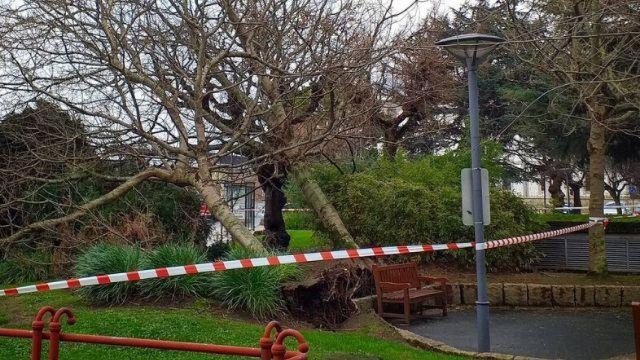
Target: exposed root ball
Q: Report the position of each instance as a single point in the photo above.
(324, 299)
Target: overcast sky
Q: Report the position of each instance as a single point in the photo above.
(414, 16)
(445, 5)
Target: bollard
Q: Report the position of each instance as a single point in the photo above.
(266, 342)
(54, 331)
(636, 326)
(279, 350)
(37, 325)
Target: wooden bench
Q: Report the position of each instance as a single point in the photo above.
(401, 284)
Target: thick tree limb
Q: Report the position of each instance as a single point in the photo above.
(325, 211)
(107, 198)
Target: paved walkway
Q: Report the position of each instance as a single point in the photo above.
(546, 333)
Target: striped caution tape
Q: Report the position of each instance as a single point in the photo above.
(219, 266)
(526, 238)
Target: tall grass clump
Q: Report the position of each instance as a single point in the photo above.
(107, 259)
(24, 267)
(255, 290)
(175, 286)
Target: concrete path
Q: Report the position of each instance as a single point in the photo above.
(545, 333)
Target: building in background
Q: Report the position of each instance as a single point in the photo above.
(245, 198)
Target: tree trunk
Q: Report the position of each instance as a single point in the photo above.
(390, 147)
(275, 233)
(616, 199)
(325, 210)
(212, 195)
(555, 190)
(596, 148)
(577, 200)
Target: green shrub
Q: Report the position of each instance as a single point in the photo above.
(24, 268)
(107, 259)
(217, 250)
(175, 286)
(255, 290)
(172, 210)
(406, 201)
(394, 211)
(617, 224)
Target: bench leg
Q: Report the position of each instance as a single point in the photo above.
(444, 305)
(407, 311)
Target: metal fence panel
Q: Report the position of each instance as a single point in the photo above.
(571, 252)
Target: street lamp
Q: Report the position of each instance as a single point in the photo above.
(472, 49)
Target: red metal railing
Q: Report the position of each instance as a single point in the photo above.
(271, 346)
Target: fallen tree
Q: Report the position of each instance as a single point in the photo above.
(181, 91)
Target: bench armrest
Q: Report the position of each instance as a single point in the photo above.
(389, 286)
(442, 281)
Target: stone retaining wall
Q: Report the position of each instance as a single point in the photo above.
(547, 295)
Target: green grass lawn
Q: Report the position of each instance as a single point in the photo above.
(197, 322)
(307, 240)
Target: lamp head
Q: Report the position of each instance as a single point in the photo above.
(470, 46)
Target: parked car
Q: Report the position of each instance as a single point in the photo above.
(611, 208)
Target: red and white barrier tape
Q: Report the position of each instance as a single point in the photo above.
(526, 238)
(276, 260)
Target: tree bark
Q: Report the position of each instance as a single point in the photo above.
(212, 196)
(577, 200)
(275, 233)
(555, 189)
(616, 199)
(325, 211)
(596, 147)
(390, 147)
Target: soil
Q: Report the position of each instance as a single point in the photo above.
(537, 277)
(370, 323)
(323, 298)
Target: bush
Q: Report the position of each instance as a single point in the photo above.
(255, 290)
(405, 201)
(175, 286)
(24, 268)
(394, 211)
(217, 250)
(108, 259)
(617, 224)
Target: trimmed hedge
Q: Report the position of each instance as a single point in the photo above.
(406, 201)
(617, 225)
(396, 212)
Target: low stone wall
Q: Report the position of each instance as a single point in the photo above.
(508, 294)
(547, 295)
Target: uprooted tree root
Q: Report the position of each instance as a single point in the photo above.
(325, 298)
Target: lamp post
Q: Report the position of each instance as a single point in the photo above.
(472, 49)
